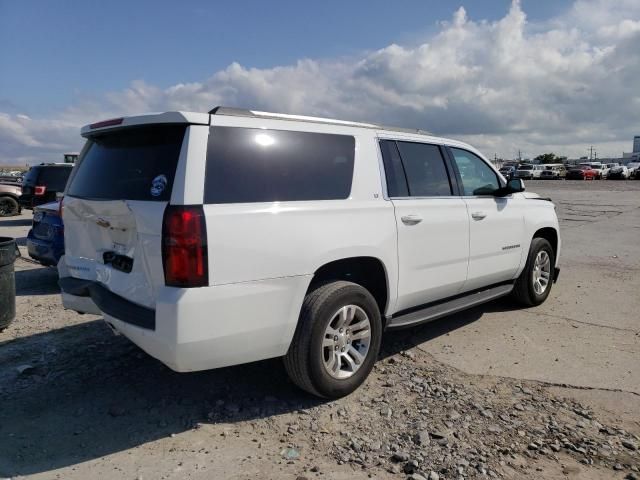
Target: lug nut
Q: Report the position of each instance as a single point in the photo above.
(335, 338)
(342, 349)
(340, 330)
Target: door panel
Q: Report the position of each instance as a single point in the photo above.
(496, 225)
(433, 249)
(496, 231)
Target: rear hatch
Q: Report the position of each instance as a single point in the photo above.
(42, 182)
(114, 205)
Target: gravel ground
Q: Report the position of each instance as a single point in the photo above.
(445, 400)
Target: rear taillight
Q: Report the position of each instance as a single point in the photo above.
(184, 246)
(39, 190)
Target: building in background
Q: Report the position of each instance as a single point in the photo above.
(636, 144)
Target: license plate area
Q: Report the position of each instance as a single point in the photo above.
(118, 262)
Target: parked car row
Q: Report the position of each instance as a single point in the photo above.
(583, 171)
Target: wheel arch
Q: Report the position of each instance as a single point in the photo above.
(13, 197)
(367, 271)
(551, 235)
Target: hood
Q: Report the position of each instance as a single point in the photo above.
(530, 195)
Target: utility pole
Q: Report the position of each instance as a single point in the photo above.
(591, 152)
(519, 156)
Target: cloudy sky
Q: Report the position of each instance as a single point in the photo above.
(504, 76)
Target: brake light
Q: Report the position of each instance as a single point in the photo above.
(106, 123)
(184, 246)
(39, 190)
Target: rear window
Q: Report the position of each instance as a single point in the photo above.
(54, 178)
(259, 165)
(132, 164)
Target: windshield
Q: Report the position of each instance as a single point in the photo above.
(132, 164)
(525, 167)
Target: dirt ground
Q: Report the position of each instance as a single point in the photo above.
(495, 392)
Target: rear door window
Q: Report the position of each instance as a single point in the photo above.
(425, 169)
(259, 165)
(393, 169)
(137, 163)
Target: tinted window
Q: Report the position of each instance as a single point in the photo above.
(393, 170)
(133, 164)
(257, 165)
(55, 178)
(477, 177)
(425, 169)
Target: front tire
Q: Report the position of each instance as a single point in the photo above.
(337, 340)
(534, 283)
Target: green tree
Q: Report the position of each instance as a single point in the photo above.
(547, 158)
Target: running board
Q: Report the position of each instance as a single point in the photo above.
(445, 308)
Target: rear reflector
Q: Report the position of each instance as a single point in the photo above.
(184, 246)
(39, 190)
(106, 123)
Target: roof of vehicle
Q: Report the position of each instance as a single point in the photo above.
(240, 112)
(200, 118)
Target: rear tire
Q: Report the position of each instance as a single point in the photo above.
(312, 349)
(527, 290)
(9, 207)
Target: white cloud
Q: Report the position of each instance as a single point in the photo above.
(560, 85)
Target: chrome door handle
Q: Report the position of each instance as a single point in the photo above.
(478, 215)
(411, 219)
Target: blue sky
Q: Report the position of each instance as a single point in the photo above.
(503, 75)
(54, 51)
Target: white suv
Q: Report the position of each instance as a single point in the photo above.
(223, 238)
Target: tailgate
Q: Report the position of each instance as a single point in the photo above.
(114, 206)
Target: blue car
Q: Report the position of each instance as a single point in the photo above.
(45, 241)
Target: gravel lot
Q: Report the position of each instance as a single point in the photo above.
(495, 392)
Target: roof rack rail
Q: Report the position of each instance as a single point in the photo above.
(236, 112)
(244, 112)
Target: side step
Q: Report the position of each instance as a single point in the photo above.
(447, 307)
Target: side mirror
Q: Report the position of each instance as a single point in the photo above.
(515, 185)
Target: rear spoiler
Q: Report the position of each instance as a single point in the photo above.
(192, 118)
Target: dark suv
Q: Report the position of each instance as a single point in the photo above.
(42, 183)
